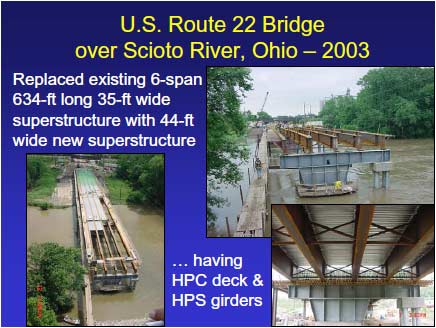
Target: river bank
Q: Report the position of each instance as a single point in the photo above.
(232, 194)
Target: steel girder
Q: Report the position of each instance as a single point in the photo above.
(327, 168)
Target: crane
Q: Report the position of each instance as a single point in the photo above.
(264, 101)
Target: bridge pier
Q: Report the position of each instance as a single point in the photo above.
(332, 169)
(274, 305)
(326, 169)
(341, 303)
(412, 303)
(381, 174)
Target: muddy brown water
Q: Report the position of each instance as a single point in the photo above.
(145, 228)
(411, 179)
(411, 182)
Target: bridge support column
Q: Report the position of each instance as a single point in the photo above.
(404, 320)
(284, 147)
(417, 319)
(381, 174)
(413, 311)
(406, 303)
(369, 313)
(274, 306)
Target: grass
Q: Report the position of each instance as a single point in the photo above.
(40, 194)
(118, 190)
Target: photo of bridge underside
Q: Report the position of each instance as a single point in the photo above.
(323, 157)
(343, 258)
(110, 256)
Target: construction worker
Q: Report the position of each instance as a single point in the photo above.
(258, 165)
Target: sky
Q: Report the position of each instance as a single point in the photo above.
(290, 87)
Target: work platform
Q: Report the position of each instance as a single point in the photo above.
(111, 258)
(322, 165)
(251, 221)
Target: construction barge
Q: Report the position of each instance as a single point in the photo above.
(109, 255)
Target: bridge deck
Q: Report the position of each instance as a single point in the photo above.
(275, 136)
(111, 258)
(85, 300)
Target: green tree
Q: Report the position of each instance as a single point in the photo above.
(34, 170)
(146, 175)
(393, 100)
(340, 112)
(55, 273)
(39, 314)
(249, 116)
(264, 116)
(152, 181)
(226, 87)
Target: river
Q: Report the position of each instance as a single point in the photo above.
(233, 196)
(411, 179)
(411, 182)
(145, 228)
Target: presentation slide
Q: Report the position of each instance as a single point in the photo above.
(217, 163)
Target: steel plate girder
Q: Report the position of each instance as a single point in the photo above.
(364, 217)
(324, 174)
(426, 264)
(296, 224)
(352, 292)
(333, 159)
(325, 138)
(349, 139)
(367, 138)
(299, 138)
(421, 228)
(281, 262)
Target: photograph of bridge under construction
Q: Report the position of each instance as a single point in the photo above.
(353, 265)
(94, 253)
(315, 135)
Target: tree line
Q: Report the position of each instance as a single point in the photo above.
(145, 173)
(392, 100)
(260, 116)
(226, 125)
